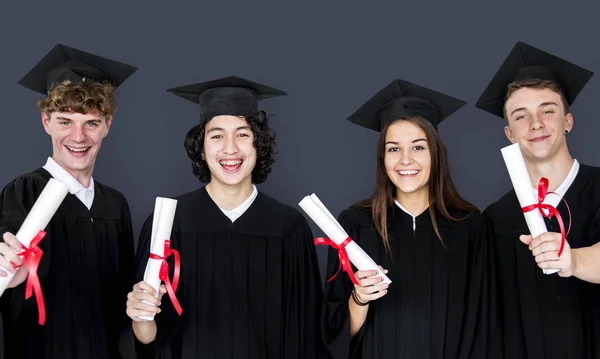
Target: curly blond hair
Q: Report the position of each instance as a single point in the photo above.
(79, 97)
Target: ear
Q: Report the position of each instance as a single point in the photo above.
(509, 134)
(108, 124)
(46, 122)
(569, 122)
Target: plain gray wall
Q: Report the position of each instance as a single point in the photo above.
(330, 56)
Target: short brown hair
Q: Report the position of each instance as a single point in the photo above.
(539, 85)
(80, 97)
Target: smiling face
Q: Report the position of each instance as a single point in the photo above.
(537, 121)
(76, 139)
(229, 150)
(407, 159)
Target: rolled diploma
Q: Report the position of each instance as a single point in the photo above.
(317, 211)
(162, 223)
(38, 218)
(517, 170)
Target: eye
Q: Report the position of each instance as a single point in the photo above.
(244, 135)
(64, 123)
(217, 137)
(418, 148)
(547, 112)
(393, 149)
(92, 124)
(520, 117)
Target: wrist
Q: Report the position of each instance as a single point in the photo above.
(357, 300)
(575, 263)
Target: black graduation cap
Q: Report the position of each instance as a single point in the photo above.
(227, 96)
(66, 63)
(402, 98)
(526, 62)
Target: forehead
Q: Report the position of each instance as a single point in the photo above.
(404, 130)
(80, 117)
(531, 98)
(226, 122)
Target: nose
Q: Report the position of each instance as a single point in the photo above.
(536, 123)
(230, 145)
(78, 134)
(406, 157)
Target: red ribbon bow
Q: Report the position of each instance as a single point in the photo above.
(164, 273)
(31, 258)
(342, 254)
(540, 205)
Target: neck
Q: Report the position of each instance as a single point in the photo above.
(229, 197)
(555, 169)
(416, 203)
(83, 177)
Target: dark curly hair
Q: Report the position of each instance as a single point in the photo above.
(264, 142)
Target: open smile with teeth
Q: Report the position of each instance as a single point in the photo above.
(231, 165)
(408, 173)
(78, 150)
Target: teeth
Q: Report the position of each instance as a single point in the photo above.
(78, 149)
(231, 163)
(408, 173)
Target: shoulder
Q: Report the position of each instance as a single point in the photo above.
(27, 186)
(356, 216)
(506, 202)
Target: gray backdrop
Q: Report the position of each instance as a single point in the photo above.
(330, 56)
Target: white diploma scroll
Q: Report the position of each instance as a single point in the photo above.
(317, 211)
(38, 218)
(162, 223)
(515, 164)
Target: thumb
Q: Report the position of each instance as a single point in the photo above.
(525, 238)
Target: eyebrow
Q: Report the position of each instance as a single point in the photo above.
(414, 141)
(548, 104)
(541, 105)
(68, 119)
(214, 129)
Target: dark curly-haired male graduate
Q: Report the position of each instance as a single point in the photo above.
(85, 270)
(250, 284)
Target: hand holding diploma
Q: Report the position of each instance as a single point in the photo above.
(533, 209)
(545, 249)
(339, 239)
(143, 302)
(9, 257)
(157, 269)
(29, 236)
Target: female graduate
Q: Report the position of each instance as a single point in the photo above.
(432, 243)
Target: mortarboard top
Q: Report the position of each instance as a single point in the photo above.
(66, 63)
(400, 99)
(226, 96)
(526, 62)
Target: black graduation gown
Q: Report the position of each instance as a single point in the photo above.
(85, 274)
(546, 316)
(440, 303)
(250, 289)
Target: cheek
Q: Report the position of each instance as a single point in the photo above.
(249, 149)
(424, 160)
(390, 161)
(210, 149)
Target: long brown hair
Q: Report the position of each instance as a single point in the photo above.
(442, 192)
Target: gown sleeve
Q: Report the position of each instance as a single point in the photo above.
(336, 314)
(302, 292)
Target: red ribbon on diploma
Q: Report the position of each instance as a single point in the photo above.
(342, 254)
(540, 205)
(31, 258)
(164, 273)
